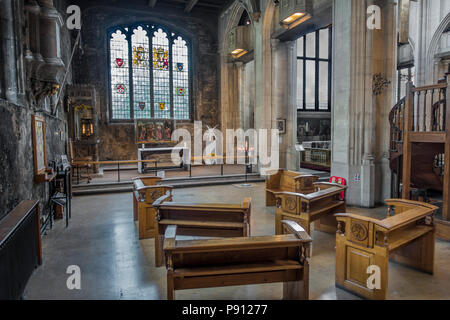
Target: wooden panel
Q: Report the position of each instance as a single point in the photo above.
(357, 263)
(443, 230)
(427, 137)
(229, 257)
(237, 280)
(290, 204)
(259, 266)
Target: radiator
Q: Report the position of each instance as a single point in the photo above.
(20, 249)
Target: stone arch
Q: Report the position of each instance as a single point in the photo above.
(432, 48)
(229, 97)
(235, 12)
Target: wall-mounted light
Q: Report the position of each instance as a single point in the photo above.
(294, 12)
(237, 53)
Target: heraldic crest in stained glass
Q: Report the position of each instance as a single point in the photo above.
(162, 106)
(139, 57)
(181, 91)
(121, 89)
(180, 67)
(160, 59)
(142, 106)
(120, 62)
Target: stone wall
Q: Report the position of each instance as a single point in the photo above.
(16, 151)
(117, 140)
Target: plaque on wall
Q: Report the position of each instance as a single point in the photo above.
(39, 151)
(281, 125)
(41, 173)
(154, 131)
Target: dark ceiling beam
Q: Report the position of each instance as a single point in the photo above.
(152, 3)
(190, 5)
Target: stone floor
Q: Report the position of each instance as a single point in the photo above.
(102, 240)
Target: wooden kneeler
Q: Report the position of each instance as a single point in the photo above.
(240, 261)
(364, 244)
(201, 220)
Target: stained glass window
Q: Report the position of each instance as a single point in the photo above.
(180, 79)
(157, 62)
(141, 74)
(120, 81)
(161, 75)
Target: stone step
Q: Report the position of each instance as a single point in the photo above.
(186, 184)
(127, 186)
(167, 181)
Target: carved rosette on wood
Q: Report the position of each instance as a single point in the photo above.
(291, 203)
(359, 231)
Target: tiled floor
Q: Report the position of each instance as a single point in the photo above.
(102, 240)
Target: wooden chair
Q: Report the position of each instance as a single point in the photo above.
(240, 261)
(290, 181)
(145, 192)
(319, 206)
(202, 220)
(407, 237)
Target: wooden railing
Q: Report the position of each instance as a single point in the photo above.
(397, 120)
(428, 107)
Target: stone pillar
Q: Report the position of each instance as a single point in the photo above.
(284, 97)
(363, 60)
(290, 110)
(8, 59)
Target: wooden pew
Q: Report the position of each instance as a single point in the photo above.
(145, 192)
(407, 236)
(240, 261)
(290, 181)
(202, 220)
(319, 206)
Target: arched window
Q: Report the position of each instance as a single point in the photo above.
(149, 74)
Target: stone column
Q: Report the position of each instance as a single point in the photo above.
(291, 107)
(284, 95)
(360, 113)
(8, 59)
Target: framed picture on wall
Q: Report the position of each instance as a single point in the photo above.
(39, 147)
(154, 131)
(281, 125)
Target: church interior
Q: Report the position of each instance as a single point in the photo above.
(225, 150)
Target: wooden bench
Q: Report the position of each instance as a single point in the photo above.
(285, 180)
(203, 220)
(145, 192)
(319, 206)
(407, 236)
(240, 261)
